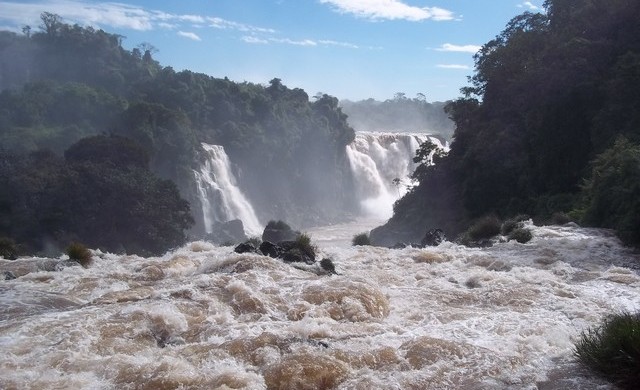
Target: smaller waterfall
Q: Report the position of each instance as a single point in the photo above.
(376, 160)
(221, 198)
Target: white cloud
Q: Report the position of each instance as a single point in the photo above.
(459, 48)
(228, 24)
(389, 9)
(118, 15)
(189, 35)
(453, 66)
(530, 6)
(254, 40)
(341, 44)
(303, 42)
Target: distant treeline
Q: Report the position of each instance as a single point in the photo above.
(64, 83)
(399, 114)
(550, 123)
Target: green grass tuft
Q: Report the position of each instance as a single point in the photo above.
(79, 253)
(612, 350)
(303, 243)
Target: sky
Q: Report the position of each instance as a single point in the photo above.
(350, 49)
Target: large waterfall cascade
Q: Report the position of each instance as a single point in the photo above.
(221, 198)
(376, 160)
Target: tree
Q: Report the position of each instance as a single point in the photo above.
(51, 23)
(611, 195)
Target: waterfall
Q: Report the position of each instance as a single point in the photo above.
(221, 198)
(376, 159)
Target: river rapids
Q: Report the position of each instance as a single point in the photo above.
(204, 317)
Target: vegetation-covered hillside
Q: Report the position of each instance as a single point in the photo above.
(550, 123)
(62, 83)
(399, 114)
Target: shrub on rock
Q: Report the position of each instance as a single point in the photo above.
(8, 248)
(361, 239)
(521, 235)
(612, 350)
(79, 253)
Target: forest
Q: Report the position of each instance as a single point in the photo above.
(399, 114)
(548, 126)
(74, 103)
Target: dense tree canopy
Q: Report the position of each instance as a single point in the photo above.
(61, 83)
(549, 94)
(101, 194)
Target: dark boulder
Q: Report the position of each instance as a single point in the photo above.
(246, 247)
(8, 275)
(295, 255)
(327, 265)
(398, 245)
(225, 232)
(270, 249)
(278, 231)
(433, 237)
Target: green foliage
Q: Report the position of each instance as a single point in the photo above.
(111, 207)
(611, 195)
(512, 224)
(400, 112)
(521, 235)
(303, 243)
(549, 94)
(8, 248)
(361, 239)
(484, 228)
(115, 151)
(79, 253)
(612, 350)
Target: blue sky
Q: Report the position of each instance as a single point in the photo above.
(351, 49)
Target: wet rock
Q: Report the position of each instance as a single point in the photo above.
(295, 255)
(8, 275)
(399, 245)
(278, 231)
(65, 264)
(246, 247)
(433, 237)
(270, 249)
(327, 265)
(230, 231)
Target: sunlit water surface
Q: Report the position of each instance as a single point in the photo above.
(204, 317)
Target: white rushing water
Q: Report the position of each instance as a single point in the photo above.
(376, 159)
(220, 197)
(203, 317)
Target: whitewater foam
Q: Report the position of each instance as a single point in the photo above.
(446, 317)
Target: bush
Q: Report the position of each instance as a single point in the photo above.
(303, 243)
(79, 253)
(512, 224)
(560, 218)
(486, 227)
(8, 248)
(611, 196)
(521, 235)
(361, 239)
(612, 350)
